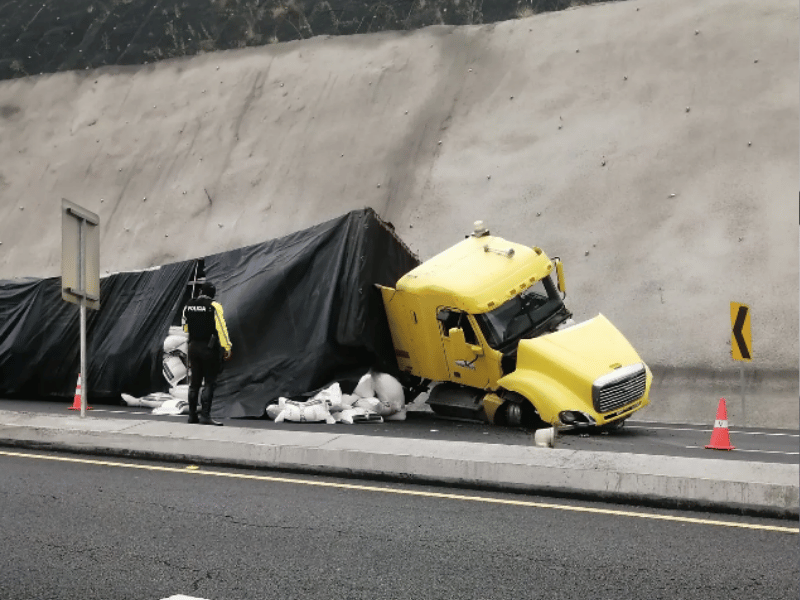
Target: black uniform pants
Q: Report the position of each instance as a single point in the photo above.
(205, 364)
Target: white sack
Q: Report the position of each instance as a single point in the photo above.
(175, 370)
(303, 412)
(346, 415)
(273, 410)
(355, 415)
(172, 407)
(150, 401)
(390, 392)
(398, 416)
(176, 343)
(373, 405)
(348, 400)
(370, 404)
(365, 388)
(180, 392)
(332, 396)
(131, 400)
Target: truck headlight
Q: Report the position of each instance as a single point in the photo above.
(576, 418)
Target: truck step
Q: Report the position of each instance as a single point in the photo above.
(456, 401)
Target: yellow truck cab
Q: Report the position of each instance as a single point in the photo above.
(486, 322)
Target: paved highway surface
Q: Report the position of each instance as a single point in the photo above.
(82, 528)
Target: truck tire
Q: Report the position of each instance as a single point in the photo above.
(513, 414)
(518, 411)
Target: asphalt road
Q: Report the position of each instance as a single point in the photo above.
(80, 528)
(756, 445)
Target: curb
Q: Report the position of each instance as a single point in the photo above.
(758, 489)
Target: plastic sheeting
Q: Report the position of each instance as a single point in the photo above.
(302, 311)
(39, 334)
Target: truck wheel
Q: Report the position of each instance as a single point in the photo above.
(513, 414)
(518, 411)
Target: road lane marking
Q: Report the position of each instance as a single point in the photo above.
(121, 412)
(758, 451)
(188, 470)
(704, 430)
(134, 412)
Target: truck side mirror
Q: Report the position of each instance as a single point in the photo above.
(562, 285)
(477, 350)
(456, 336)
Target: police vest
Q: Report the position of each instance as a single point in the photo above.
(200, 319)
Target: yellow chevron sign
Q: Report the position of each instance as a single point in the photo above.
(741, 340)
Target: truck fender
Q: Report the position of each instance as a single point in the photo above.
(491, 402)
(547, 395)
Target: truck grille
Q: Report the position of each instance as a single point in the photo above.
(619, 388)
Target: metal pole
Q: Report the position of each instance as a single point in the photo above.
(82, 288)
(744, 406)
(84, 386)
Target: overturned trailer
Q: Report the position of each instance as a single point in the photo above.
(302, 311)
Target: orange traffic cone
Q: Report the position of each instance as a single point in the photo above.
(720, 440)
(76, 401)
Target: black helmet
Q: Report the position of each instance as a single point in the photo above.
(208, 289)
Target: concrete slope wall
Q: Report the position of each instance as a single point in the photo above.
(652, 144)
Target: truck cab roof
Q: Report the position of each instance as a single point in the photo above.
(477, 274)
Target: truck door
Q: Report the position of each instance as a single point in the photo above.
(465, 357)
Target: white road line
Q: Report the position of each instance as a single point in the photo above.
(132, 412)
(757, 451)
(736, 431)
(128, 412)
(182, 597)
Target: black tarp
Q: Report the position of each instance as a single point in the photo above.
(39, 334)
(302, 311)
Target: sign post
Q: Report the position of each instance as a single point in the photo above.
(80, 271)
(741, 341)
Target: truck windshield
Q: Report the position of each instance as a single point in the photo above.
(521, 315)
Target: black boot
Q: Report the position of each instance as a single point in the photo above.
(193, 406)
(205, 409)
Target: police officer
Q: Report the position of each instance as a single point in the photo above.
(209, 345)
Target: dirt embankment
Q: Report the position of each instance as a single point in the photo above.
(652, 144)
